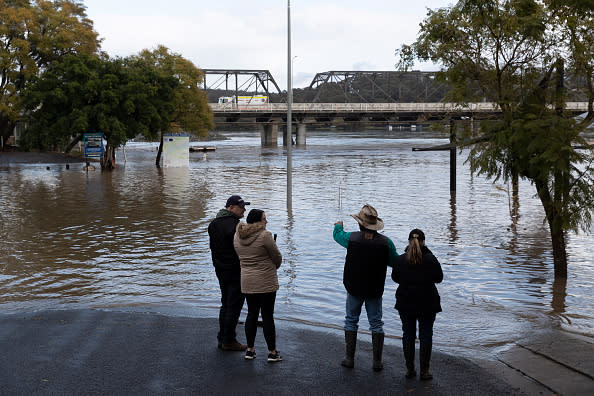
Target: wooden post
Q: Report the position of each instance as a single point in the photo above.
(445, 147)
(452, 156)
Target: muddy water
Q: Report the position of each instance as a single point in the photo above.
(135, 239)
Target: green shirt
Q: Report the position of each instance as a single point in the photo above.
(342, 237)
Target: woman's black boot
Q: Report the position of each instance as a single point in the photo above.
(409, 357)
(425, 357)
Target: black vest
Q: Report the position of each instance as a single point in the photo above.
(365, 265)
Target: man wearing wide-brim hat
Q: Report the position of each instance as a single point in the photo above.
(368, 256)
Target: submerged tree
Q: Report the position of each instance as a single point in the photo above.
(190, 110)
(516, 54)
(143, 95)
(118, 97)
(32, 35)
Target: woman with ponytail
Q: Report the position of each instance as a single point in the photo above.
(417, 300)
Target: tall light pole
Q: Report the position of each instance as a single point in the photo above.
(289, 112)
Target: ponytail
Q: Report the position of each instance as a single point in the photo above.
(415, 255)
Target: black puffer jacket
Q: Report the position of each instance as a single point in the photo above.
(221, 231)
(366, 264)
(417, 293)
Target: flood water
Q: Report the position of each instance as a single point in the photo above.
(136, 238)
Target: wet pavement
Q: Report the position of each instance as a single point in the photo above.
(109, 352)
(561, 361)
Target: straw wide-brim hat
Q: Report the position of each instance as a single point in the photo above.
(367, 217)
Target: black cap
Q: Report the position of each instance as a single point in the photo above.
(236, 200)
(416, 233)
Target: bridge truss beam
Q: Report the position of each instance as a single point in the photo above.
(411, 87)
(245, 80)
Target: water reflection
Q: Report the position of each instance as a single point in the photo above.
(137, 236)
(559, 294)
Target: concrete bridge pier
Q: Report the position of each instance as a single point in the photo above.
(269, 134)
(285, 134)
(301, 134)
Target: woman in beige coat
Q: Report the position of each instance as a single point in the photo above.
(259, 258)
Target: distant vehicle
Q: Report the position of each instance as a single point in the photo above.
(245, 102)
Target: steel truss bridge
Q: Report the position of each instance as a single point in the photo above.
(384, 86)
(406, 98)
(370, 96)
(241, 80)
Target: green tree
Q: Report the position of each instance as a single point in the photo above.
(191, 112)
(516, 54)
(32, 35)
(121, 98)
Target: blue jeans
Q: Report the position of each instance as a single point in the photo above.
(373, 307)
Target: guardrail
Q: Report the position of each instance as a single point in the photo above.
(485, 107)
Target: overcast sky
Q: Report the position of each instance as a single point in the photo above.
(240, 34)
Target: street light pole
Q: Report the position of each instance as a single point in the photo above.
(289, 113)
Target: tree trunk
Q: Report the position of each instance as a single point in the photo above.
(108, 159)
(559, 254)
(72, 144)
(515, 197)
(557, 233)
(6, 129)
(159, 152)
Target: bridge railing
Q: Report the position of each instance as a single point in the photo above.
(486, 107)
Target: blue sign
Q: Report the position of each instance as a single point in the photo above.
(93, 144)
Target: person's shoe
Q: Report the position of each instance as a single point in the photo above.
(425, 355)
(234, 346)
(274, 357)
(250, 355)
(410, 373)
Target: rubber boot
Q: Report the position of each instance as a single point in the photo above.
(377, 340)
(425, 357)
(409, 357)
(350, 338)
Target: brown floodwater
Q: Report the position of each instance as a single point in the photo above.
(135, 238)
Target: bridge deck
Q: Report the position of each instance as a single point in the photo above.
(373, 107)
(264, 112)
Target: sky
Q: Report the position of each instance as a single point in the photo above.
(239, 34)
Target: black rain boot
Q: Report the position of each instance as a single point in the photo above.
(425, 357)
(350, 338)
(377, 340)
(409, 357)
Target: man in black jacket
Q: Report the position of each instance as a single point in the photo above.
(368, 256)
(221, 231)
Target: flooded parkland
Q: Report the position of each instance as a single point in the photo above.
(135, 239)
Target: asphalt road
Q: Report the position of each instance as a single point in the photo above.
(108, 352)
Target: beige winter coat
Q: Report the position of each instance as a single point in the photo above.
(259, 258)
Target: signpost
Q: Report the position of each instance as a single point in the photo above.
(176, 150)
(93, 142)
